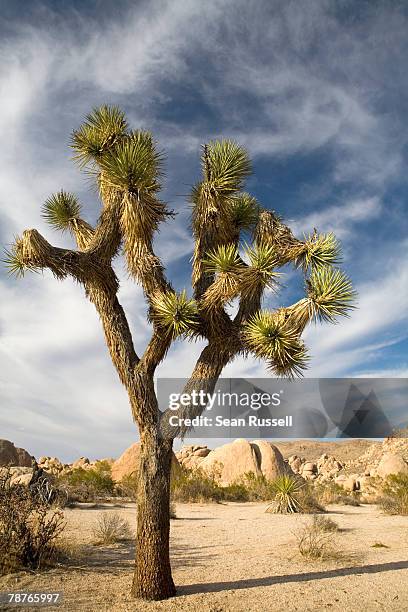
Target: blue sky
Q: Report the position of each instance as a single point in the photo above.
(317, 92)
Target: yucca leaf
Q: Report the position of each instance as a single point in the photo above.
(317, 251)
(134, 165)
(15, 261)
(226, 165)
(224, 258)
(60, 210)
(108, 119)
(244, 210)
(330, 294)
(261, 272)
(175, 313)
(102, 129)
(263, 261)
(270, 337)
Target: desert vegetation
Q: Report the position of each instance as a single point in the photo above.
(316, 539)
(89, 485)
(110, 528)
(29, 529)
(394, 498)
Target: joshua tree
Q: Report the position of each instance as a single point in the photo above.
(126, 166)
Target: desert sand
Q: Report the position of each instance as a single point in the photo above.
(235, 557)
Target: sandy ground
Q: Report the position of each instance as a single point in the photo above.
(236, 557)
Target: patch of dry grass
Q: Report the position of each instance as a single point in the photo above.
(111, 528)
(316, 540)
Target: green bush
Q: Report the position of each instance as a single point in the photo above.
(195, 486)
(127, 487)
(332, 493)
(394, 498)
(308, 501)
(88, 485)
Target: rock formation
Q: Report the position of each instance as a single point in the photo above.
(230, 462)
(128, 463)
(12, 455)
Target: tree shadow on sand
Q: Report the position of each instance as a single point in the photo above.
(121, 557)
(248, 583)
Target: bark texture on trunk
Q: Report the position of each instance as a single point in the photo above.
(152, 578)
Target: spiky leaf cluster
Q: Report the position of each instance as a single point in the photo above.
(330, 294)
(14, 260)
(102, 128)
(224, 258)
(270, 337)
(262, 270)
(286, 490)
(60, 210)
(244, 211)
(225, 165)
(174, 313)
(134, 165)
(225, 262)
(317, 251)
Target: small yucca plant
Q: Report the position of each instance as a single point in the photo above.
(286, 490)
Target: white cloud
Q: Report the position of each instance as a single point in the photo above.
(340, 219)
(283, 81)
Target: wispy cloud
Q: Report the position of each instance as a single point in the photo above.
(341, 218)
(287, 82)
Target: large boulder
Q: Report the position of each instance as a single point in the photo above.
(12, 455)
(269, 458)
(230, 462)
(391, 464)
(128, 463)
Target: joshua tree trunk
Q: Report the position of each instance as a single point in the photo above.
(152, 577)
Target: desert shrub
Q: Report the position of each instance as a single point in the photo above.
(235, 492)
(308, 501)
(315, 540)
(88, 485)
(110, 528)
(394, 499)
(195, 486)
(173, 514)
(332, 493)
(290, 495)
(127, 487)
(325, 523)
(29, 530)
